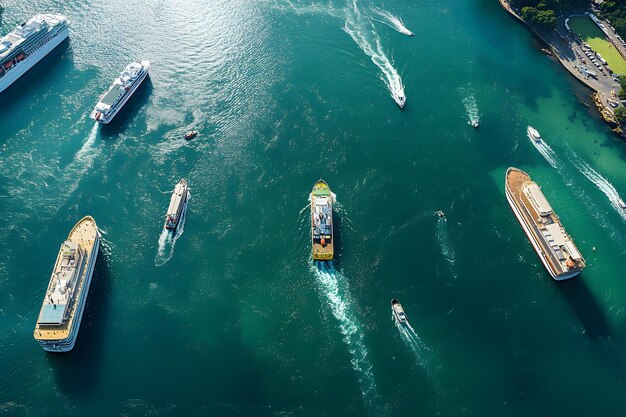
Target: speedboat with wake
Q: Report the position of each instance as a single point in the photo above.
(621, 203)
(398, 312)
(177, 205)
(533, 134)
(191, 134)
(401, 99)
(474, 124)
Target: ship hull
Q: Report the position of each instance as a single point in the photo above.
(109, 117)
(322, 252)
(23, 66)
(67, 344)
(533, 241)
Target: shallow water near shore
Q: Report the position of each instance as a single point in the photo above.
(238, 321)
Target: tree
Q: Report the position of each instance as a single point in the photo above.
(620, 115)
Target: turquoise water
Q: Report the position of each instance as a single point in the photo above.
(232, 318)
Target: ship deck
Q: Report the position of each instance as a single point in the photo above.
(515, 180)
(84, 233)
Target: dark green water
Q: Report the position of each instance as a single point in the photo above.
(238, 322)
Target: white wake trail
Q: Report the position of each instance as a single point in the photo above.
(601, 183)
(545, 150)
(333, 286)
(413, 341)
(471, 108)
(444, 243)
(361, 29)
(392, 21)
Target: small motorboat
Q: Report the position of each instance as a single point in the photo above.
(533, 134)
(474, 124)
(441, 214)
(191, 134)
(400, 98)
(621, 204)
(398, 311)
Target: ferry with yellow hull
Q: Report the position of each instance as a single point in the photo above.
(63, 305)
(544, 229)
(322, 239)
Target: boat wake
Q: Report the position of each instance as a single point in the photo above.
(602, 183)
(361, 29)
(392, 21)
(545, 150)
(471, 109)
(413, 341)
(444, 243)
(83, 160)
(333, 286)
(168, 238)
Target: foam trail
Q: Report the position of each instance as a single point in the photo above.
(471, 108)
(333, 286)
(361, 29)
(83, 160)
(393, 21)
(602, 183)
(545, 150)
(413, 341)
(167, 239)
(444, 243)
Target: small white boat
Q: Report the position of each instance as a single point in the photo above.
(474, 124)
(621, 203)
(401, 100)
(533, 134)
(398, 312)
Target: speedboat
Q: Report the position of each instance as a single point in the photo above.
(398, 311)
(401, 99)
(441, 214)
(474, 124)
(621, 203)
(533, 134)
(191, 134)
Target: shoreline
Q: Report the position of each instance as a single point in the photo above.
(598, 96)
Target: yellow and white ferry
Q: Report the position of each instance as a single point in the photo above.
(63, 305)
(322, 239)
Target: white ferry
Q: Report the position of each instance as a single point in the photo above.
(555, 247)
(123, 87)
(63, 305)
(29, 42)
(177, 206)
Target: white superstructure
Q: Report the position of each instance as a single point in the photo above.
(120, 91)
(29, 42)
(63, 305)
(533, 134)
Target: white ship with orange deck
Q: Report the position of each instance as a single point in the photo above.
(322, 239)
(63, 305)
(544, 229)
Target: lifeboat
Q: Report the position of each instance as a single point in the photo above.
(20, 57)
(8, 64)
(98, 116)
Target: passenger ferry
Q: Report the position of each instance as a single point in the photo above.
(63, 305)
(28, 44)
(178, 204)
(322, 240)
(123, 87)
(544, 230)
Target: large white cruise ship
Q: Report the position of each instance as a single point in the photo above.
(29, 42)
(63, 305)
(120, 91)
